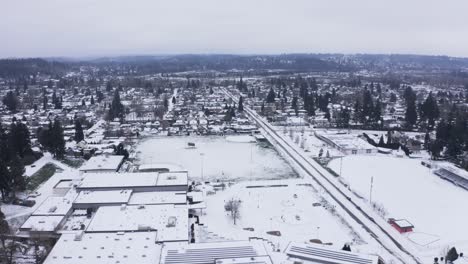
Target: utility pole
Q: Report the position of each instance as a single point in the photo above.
(341, 164)
(201, 158)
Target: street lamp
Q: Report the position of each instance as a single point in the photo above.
(201, 159)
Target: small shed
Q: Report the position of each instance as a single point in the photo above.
(402, 225)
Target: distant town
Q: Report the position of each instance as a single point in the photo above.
(234, 159)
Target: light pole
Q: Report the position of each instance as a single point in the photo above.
(341, 164)
(371, 186)
(201, 160)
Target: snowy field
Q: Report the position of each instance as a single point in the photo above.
(288, 209)
(408, 190)
(231, 157)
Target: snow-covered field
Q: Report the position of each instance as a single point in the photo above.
(288, 209)
(232, 157)
(408, 190)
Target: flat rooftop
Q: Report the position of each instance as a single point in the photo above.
(172, 178)
(123, 248)
(170, 221)
(159, 167)
(103, 197)
(119, 180)
(133, 180)
(43, 223)
(211, 252)
(323, 254)
(158, 198)
(54, 205)
(102, 162)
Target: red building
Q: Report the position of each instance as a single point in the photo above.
(402, 225)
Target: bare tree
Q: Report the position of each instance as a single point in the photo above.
(41, 246)
(233, 206)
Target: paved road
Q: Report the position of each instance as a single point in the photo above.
(343, 198)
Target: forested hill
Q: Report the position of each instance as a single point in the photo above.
(18, 68)
(180, 63)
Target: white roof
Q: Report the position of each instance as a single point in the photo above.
(103, 197)
(171, 222)
(113, 180)
(158, 198)
(210, 252)
(123, 248)
(102, 162)
(54, 205)
(172, 178)
(324, 254)
(158, 166)
(403, 223)
(44, 223)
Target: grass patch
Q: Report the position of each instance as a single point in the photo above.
(42, 175)
(74, 163)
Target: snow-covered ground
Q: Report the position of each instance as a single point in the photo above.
(288, 209)
(306, 139)
(408, 190)
(218, 157)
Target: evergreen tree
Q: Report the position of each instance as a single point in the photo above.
(79, 135)
(92, 100)
(16, 172)
(294, 105)
(241, 104)
(271, 96)
(10, 101)
(58, 140)
(429, 110)
(116, 109)
(44, 102)
(109, 86)
(166, 104)
(19, 139)
(173, 100)
(411, 116)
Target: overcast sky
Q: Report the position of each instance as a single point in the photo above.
(73, 28)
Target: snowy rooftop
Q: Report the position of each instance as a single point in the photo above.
(170, 221)
(102, 162)
(172, 178)
(211, 252)
(246, 260)
(323, 254)
(42, 223)
(159, 167)
(116, 180)
(403, 223)
(123, 248)
(158, 198)
(103, 197)
(54, 205)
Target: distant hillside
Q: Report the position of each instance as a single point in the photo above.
(16, 68)
(179, 63)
